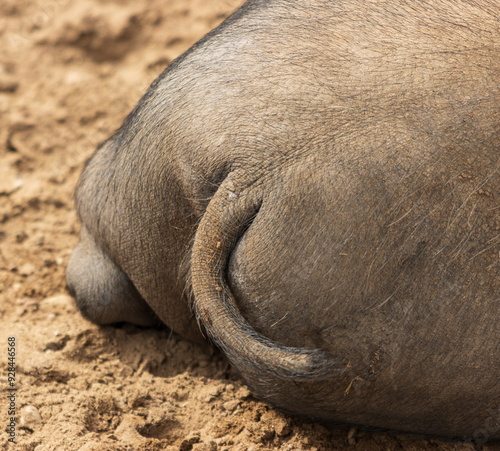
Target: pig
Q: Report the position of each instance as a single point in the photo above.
(314, 186)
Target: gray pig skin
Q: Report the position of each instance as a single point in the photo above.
(323, 178)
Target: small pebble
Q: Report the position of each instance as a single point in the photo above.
(30, 417)
(350, 436)
(27, 269)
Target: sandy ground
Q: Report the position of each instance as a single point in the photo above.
(70, 70)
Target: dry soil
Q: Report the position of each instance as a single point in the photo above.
(70, 71)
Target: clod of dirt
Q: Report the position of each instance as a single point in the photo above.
(243, 393)
(230, 406)
(187, 444)
(282, 427)
(102, 414)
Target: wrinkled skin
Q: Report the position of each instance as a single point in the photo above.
(323, 178)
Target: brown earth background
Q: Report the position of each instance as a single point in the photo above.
(70, 71)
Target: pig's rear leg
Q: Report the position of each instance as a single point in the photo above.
(103, 292)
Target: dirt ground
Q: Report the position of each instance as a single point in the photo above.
(70, 70)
